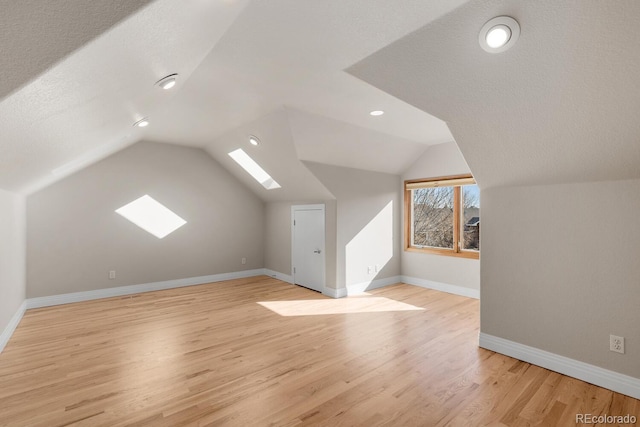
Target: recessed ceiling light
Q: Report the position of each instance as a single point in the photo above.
(167, 82)
(142, 123)
(253, 140)
(499, 34)
(377, 113)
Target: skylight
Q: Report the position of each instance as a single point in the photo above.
(254, 169)
(151, 216)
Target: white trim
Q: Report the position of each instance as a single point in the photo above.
(277, 275)
(335, 293)
(444, 287)
(611, 380)
(358, 288)
(136, 289)
(12, 325)
(308, 207)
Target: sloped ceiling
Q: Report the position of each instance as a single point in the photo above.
(323, 140)
(276, 154)
(560, 106)
(290, 138)
(293, 53)
(90, 73)
(83, 107)
(35, 35)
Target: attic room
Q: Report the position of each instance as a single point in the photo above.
(287, 141)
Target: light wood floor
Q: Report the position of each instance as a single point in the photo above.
(214, 355)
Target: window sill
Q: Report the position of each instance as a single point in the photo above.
(445, 252)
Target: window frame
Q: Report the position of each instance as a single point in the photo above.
(457, 202)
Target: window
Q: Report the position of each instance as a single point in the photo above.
(254, 169)
(442, 216)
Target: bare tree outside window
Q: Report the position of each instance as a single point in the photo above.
(433, 217)
(470, 224)
(442, 216)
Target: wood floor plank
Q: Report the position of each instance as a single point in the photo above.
(261, 352)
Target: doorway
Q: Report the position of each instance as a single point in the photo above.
(307, 246)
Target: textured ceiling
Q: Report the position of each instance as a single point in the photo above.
(36, 34)
(83, 107)
(81, 74)
(560, 106)
(293, 53)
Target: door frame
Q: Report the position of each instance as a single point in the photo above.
(320, 207)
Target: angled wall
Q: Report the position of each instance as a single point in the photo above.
(367, 223)
(74, 237)
(12, 257)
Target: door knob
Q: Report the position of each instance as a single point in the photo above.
(317, 251)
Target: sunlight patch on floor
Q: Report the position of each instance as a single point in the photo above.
(337, 306)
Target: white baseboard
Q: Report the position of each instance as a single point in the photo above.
(280, 276)
(335, 293)
(611, 380)
(444, 287)
(330, 292)
(358, 288)
(136, 289)
(13, 324)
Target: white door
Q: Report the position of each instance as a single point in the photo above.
(308, 246)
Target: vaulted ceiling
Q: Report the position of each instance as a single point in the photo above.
(79, 76)
(303, 75)
(560, 106)
(95, 86)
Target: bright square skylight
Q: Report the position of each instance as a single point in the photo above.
(254, 169)
(151, 216)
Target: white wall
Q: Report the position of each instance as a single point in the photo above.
(12, 255)
(74, 237)
(561, 269)
(277, 252)
(440, 160)
(368, 222)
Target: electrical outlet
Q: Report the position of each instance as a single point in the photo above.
(369, 269)
(244, 261)
(112, 274)
(616, 344)
(376, 268)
